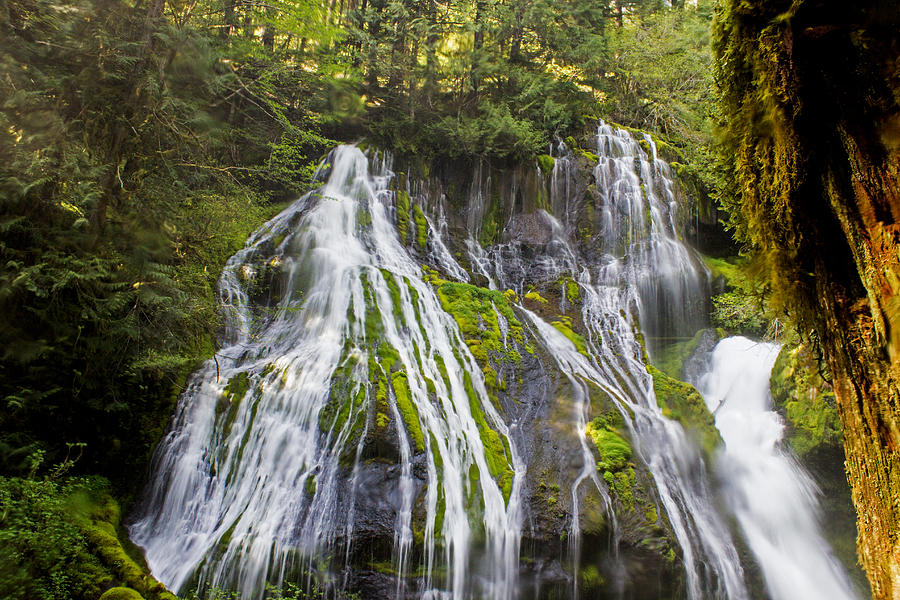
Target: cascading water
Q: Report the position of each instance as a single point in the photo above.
(770, 494)
(358, 391)
(646, 269)
(249, 481)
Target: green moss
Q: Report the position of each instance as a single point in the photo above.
(235, 391)
(546, 163)
(623, 484)
(402, 214)
(731, 271)
(572, 291)
(591, 580)
(579, 151)
(564, 326)
(615, 452)
(534, 296)
(681, 402)
(407, 409)
(98, 516)
(396, 301)
(121, 593)
(475, 311)
(490, 224)
(363, 218)
(347, 400)
(421, 226)
(806, 400)
(670, 359)
(495, 448)
(309, 486)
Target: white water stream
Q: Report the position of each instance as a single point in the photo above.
(770, 494)
(334, 338)
(251, 488)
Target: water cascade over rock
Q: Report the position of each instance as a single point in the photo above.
(437, 387)
(770, 494)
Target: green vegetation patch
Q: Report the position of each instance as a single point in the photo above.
(670, 359)
(402, 214)
(121, 593)
(806, 400)
(681, 402)
(740, 306)
(535, 296)
(62, 538)
(232, 395)
(564, 326)
(496, 448)
(421, 226)
(546, 163)
(475, 310)
(407, 409)
(347, 399)
(571, 289)
(615, 451)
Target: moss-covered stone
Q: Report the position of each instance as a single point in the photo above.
(681, 402)
(477, 312)
(535, 296)
(98, 516)
(121, 593)
(403, 214)
(806, 400)
(230, 401)
(546, 163)
(576, 149)
(670, 358)
(421, 226)
(564, 325)
(615, 452)
(496, 448)
(407, 410)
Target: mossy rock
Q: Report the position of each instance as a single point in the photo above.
(671, 358)
(615, 451)
(98, 515)
(564, 325)
(546, 163)
(682, 402)
(806, 400)
(121, 593)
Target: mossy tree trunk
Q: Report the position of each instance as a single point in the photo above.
(810, 95)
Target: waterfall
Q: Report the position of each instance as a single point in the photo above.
(264, 475)
(770, 494)
(366, 416)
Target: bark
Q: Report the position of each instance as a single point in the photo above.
(814, 95)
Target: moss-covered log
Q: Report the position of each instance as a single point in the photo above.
(809, 93)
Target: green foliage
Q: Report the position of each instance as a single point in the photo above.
(38, 544)
(131, 167)
(659, 79)
(806, 399)
(59, 539)
(741, 306)
(681, 402)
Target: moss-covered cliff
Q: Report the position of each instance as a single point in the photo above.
(809, 95)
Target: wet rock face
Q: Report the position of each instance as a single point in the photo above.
(820, 197)
(461, 345)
